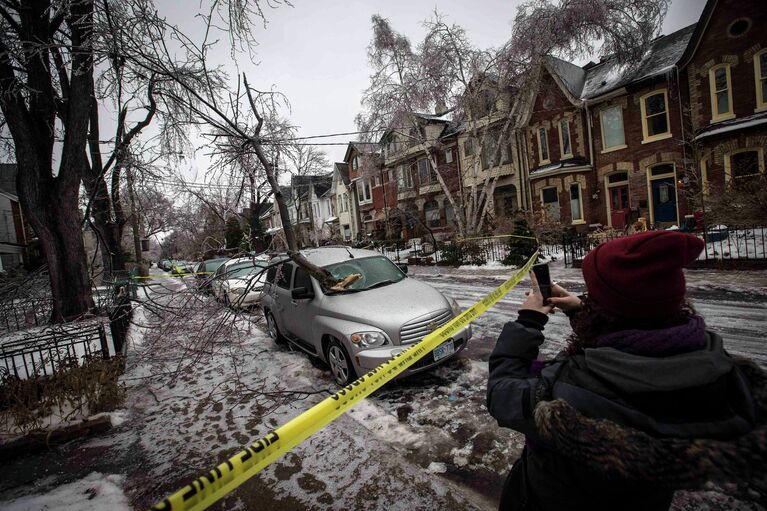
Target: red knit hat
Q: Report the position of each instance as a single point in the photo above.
(640, 276)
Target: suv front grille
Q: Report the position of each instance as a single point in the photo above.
(416, 329)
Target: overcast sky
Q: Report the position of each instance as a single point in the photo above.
(315, 51)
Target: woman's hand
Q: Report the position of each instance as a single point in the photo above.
(534, 300)
(563, 300)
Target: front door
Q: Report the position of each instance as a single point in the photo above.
(619, 206)
(664, 201)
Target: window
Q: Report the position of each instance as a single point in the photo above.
(378, 181)
(611, 121)
(284, 273)
(655, 123)
(448, 156)
(468, 148)
(489, 158)
(363, 191)
(744, 165)
(576, 205)
(739, 27)
(316, 208)
(355, 163)
(425, 175)
(270, 274)
(550, 200)
(347, 232)
(564, 138)
(721, 93)
(404, 177)
(760, 75)
(302, 279)
(431, 212)
(543, 146)
(389, 174)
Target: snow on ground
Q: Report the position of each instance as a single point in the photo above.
(94, 492)
(422, 442)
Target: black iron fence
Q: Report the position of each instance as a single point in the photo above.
(471, 251)
(42, 353)
(725, 246)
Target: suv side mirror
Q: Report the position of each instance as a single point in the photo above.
(403, 267)
(301, 293)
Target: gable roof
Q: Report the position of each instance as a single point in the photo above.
(697, 34)
(342, 169)
(569, 76)
(361, 148)
(660, 57)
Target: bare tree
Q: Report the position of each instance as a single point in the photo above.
(486, 90)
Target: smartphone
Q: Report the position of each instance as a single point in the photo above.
(541, 272)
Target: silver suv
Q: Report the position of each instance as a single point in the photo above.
(355, 330)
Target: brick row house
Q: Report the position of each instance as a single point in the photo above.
(411, 200)
(601, 145)
(608, 144)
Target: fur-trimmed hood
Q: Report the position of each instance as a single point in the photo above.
(738, 466)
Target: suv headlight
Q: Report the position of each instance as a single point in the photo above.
(368, 339)
(238, 290)
(456, 308)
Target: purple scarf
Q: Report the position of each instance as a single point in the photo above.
(688, 336)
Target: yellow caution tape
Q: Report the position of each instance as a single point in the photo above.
(210, 487)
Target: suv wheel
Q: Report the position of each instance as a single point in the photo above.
(272, 330)
(340, 363)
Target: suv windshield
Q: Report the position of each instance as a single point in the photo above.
(243, 269)
(375, 271)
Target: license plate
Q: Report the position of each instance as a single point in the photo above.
(445, 349)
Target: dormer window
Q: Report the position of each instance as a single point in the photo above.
(355, 163)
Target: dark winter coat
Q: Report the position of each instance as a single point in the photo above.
(607, 429)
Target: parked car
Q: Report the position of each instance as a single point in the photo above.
(182, 267)
(204, 272)
(356, 330)
(239, 282)
(164, 264)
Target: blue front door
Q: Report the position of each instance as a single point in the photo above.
(664, 200)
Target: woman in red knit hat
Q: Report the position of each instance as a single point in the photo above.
(642, 402)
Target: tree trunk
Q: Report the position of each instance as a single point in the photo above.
(54, 215)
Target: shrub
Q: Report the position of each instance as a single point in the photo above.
(520, 248)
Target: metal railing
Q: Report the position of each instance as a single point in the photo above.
(40, 354)
(473, 251)
(725, 246)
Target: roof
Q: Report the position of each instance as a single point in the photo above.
(740, 123)
(362, 148)
(660, 57)
(697, 34)
(343, 171)
(570, 165)
(573, 77)
(8, 178)
(322, 184)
